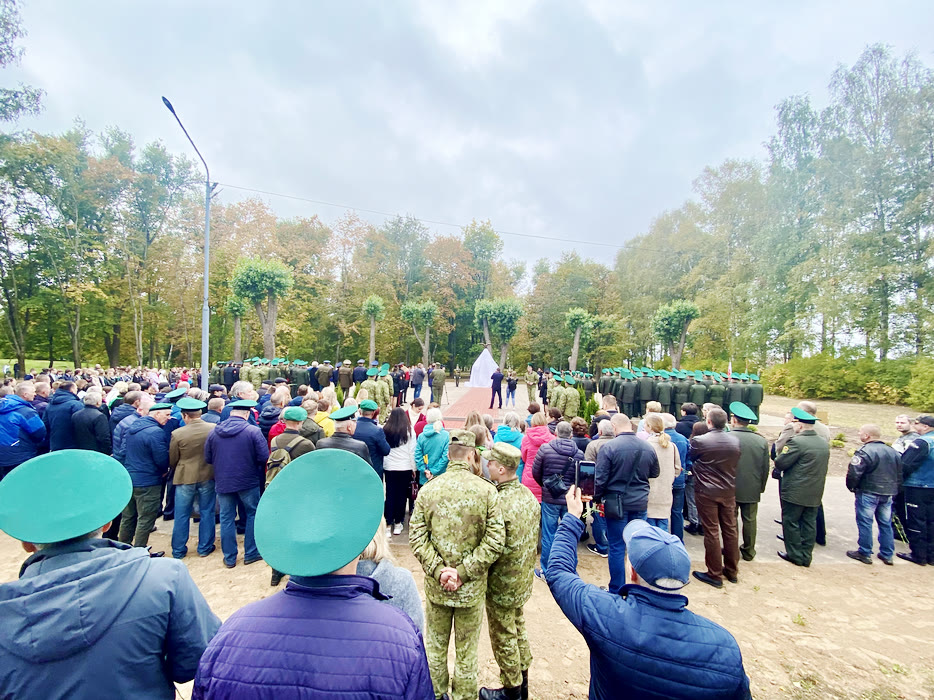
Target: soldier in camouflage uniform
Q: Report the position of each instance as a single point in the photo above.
(456, 532)
(438, 378)
(552, 385)
(531, 382)
(509, 585)
(383, 394)
(572, 399)
(556, 393)
(370, 384)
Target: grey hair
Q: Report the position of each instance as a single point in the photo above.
(563, 429)
(239, 388)
(92, 398)
(605, 428)
(512, 420)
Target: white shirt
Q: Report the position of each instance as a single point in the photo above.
(401, 458)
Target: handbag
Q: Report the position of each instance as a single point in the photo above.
(613, 501)
(555, 483)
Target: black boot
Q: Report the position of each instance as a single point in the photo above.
(524, 688)
(276, 578)
(501, 693)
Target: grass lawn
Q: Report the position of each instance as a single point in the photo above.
(845, 414)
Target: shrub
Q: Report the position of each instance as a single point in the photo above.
(920, 388)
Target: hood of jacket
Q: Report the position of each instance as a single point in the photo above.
(540, 434)
(231, 427)
(13, 403)
(66, 601)
(142, 424)
(566, 447)
(429, 430)
(270, 412)
(61, 397)
(122, 411)
(507, 433)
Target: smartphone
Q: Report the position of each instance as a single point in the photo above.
(584, 478)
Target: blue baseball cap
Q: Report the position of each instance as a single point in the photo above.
(659, 558)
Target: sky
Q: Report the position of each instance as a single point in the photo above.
(576, 121)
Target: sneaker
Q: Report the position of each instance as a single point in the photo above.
(539, 574)
(593, 548)
(397, 530)
(887, 562)
(389, 532)
(859, 556)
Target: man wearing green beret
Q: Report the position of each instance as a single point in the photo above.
(331, 635)
(194, 479)
(456, 532)
(345, 425)
(572, 399)
(752, 474)
(91, 617)
(509, 584)
(802, 464)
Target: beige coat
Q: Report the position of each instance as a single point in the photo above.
(669, 466)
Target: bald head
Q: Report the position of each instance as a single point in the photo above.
(621, 424)
(870, 432)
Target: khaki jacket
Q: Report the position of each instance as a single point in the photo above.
(186, 453)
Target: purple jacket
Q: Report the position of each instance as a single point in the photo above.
(238, 452)
(322, 637)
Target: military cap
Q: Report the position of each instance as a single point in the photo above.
(360, 362)
(345, 413)
(384, 366)
(190, 404)
(383, 371)
(372, 372)
(553, 370)
(754, 377)
(327, 362)
(505, 454)
(160, 407)
(301, 526)
(925, 420)
(274, 363)
(296, 413)
(241, 404)
(803, 415)
(741, 410)
(570, 380)
(368, 405)
(280, 380)
(347, 362)
(61, 495)
(216, 387)
(176, 393)
(374, 363)
(463, 437)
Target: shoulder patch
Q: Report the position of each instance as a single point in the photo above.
(856, 461)
(785, 449)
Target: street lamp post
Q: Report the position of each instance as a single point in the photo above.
(205, 309)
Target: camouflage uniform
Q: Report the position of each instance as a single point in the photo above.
(572, 403)
(383, 397)
(438, 377)
(510, 582)
(556, 398)
(531, 383)
(370, 386)
(552, 385)
(456, 523)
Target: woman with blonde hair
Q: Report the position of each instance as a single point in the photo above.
(536, 436)
(474, 418)
(650, 407)
(376, 562)
(328, 394)
(669, 463)
(117, 392)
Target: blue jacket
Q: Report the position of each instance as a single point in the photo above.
(351, 647)
(22, 432)
(147, 452)
(643, 644)
(100, 619)
(238, 452)
(434, 446)
(225, 414)
(211, 417)
(118, 444)
(918, 462)
(118, 414)
(57, 419)
(369, 432)
(681, 442)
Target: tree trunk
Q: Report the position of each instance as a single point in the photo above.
(372, 339)
(426, 348)
(676, 352)
(884, 341)
(112, 346)
(237, 354)
(268, 322)
(572, 360)
(502, 355)
(74, 329)
(487, 343)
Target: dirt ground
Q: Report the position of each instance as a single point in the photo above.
(836, 630)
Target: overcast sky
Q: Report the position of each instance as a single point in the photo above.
(576, 120)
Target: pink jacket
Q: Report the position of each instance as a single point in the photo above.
(535, 437)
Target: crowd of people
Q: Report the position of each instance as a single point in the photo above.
(490, 508)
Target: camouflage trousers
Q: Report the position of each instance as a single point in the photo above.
(510, 643)
(466, 621)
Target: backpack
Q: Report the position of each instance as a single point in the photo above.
(279, 458)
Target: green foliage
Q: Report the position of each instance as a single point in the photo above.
(339, 391)
(920, 388)
(837, 443)
(237, 307)
(374, 307)
(25, 100)
(589, 408)
(577, 317)
(671, 320)
(420, 313)
(256, 280)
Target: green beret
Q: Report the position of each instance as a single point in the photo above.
(301, 524)
(552, 370)
(296, 413)
(345, 413)
(741, 410)
(61, 495)
(383, 372)
(190, 404)
(160, 407)
(803, 415)
(384, 366)
(176, 393)
(369, 405)
(463, 437)
(754, 377)
(570, 380)
(240, 404)
(372, 372)
(505, 454)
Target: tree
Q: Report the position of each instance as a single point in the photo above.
(421, 315)
(578, 320)
(670, 325)
(237, 308)
(23, 100)
(501, 316)
(374, 309)
(263, 280)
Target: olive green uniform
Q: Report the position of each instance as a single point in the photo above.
(557, 399)
(345, 379)
(438, 377)
(572, 403)
(754, 395)
(752, 474)
(531, 383)
(368, 385)
(384, 397)
(323, 373)
(456, 522)
(803, 465)
(510, 582)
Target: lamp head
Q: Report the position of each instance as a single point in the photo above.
(168, 104)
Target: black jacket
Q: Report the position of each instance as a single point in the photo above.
(556, 457)
(92, 432)
(686, 425)
(343, 441)
(875, 468)
(624, 466)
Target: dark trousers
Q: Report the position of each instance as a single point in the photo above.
(799, 528)
(920, 506)
(140, 515)
(820, 527)
(676, 522)
(748, 513)
(899, 514)
(398, 487)
(718, 513)
(496, 393)
(168, 510)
